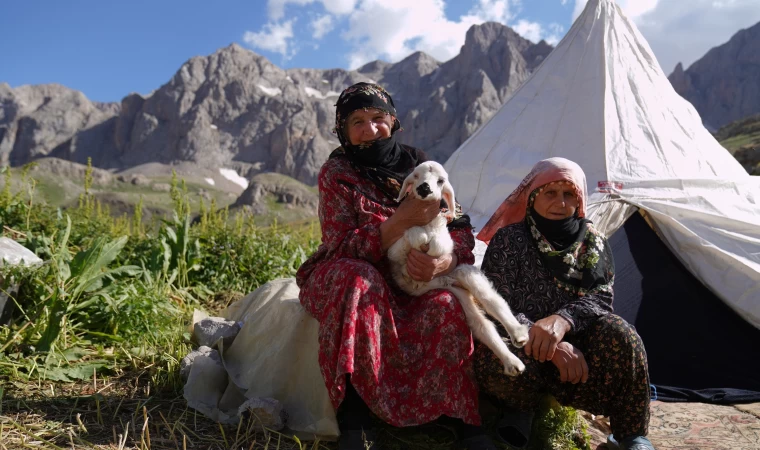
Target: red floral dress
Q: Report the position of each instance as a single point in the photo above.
(409, 357)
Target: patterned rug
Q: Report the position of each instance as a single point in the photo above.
(693, 426)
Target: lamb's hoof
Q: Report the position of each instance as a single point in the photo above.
(519, 336)
(514, 368)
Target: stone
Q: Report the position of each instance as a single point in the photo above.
(205, 386)
(282, 188)
(161, 187)
(204, 194)
(139, 180)
(209, 331)
(186, 364)
(267, 412)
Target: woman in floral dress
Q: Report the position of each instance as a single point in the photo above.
(406, 359)
(556, 272)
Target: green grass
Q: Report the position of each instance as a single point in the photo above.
(109, 309)
(740, 134)
(742, 139)
(737, 142)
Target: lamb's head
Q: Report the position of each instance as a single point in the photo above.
(429, 181)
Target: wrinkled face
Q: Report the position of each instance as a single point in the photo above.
(556, 201)
(429, 181)
(366, 126)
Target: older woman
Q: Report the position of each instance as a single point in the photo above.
(406, 359)
(556, 271)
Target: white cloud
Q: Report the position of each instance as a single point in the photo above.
(322, 25)
(339, 6)
(532, 31)
(535, 32)
(556, 32)
(564, 2)
(276, 8)
(683, 34)
(494, 10)
(401, 27)
(274, 37)
(679, 32)
(392, 29)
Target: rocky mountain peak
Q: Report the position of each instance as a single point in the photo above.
(376, 66)
(419, 63)
(724, 85)
(480, 38)
(34, 120)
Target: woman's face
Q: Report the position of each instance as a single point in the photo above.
(556, 201)
(366, 126)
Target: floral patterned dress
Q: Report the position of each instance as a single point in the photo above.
(409, 357)
(618, 383)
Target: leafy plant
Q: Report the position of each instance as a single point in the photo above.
(86, 273)
(559, 427)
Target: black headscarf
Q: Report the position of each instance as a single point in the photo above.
(385, 162)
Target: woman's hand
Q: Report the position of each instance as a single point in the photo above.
(414, 212)
(571, 364)
(544, 337)
(423, 267)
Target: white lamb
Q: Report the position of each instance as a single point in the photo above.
(429, 181)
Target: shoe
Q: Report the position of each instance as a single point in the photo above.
(514, 428)
(358, 439)
(477, 442)
(629, 443)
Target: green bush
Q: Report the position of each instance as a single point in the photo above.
(110, 285)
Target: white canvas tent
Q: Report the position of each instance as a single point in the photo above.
(601, 100)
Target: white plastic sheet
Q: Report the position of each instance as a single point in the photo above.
(275, 356)
(12, 253)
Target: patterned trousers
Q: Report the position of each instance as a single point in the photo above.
(617, 386)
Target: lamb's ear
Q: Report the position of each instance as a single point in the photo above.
(406, 187)
(448, 194)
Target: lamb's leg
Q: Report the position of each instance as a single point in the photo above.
(476, 283)
(435, 283)
(485, 331)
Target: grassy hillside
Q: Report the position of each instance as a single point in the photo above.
(62, 187)
(742, 139)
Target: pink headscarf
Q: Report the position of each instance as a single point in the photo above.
(513, 209)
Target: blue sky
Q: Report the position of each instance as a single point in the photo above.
(108, 49)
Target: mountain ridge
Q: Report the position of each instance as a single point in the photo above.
(234, 108)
